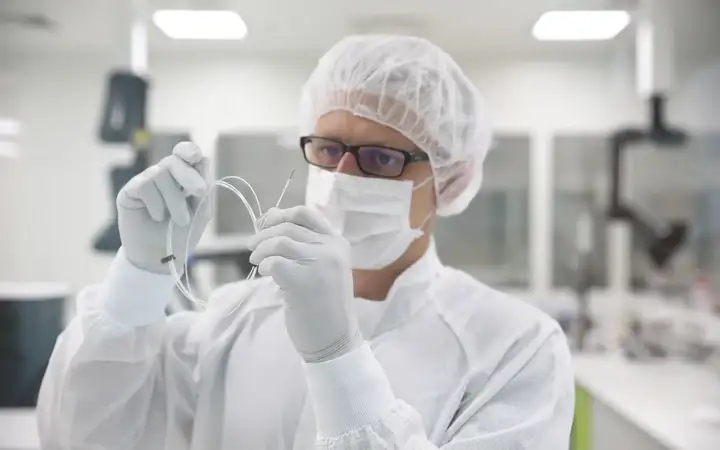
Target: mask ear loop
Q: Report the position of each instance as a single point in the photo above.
(429, 214)
(425, 221)
(423, 183)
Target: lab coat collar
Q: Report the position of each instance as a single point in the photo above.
(411, 290)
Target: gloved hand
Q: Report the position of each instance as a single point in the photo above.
(311, 265)
(169, 190)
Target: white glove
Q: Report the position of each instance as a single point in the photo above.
(311, 265)
(171, 189)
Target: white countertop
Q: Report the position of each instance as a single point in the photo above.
(16, 291)
(662, 398)
(18, 429)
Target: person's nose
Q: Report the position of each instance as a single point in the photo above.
(348, 165)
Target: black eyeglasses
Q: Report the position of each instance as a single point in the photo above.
(371, 159)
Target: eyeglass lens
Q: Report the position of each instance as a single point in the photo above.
(378, 161)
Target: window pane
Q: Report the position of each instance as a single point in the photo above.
(580, 188)
(264, 161)
(666, 185)
(679, 184)
(490, 239)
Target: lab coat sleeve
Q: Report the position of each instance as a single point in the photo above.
(531, 408)
(120, 376)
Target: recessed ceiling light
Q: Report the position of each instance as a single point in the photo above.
(206, 25)
(580, 25)
(9, 127)
(9, 133)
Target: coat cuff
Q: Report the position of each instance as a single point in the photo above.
(135, 297)
(349, 392)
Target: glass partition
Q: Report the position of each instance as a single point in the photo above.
(264, 160)
(490, 239)
(580, 188)
(665, 185)
(680, 184)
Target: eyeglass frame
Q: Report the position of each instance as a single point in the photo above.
(410, 157)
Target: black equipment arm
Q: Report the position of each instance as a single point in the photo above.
(660, 247)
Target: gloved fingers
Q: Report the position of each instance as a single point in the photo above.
(279, 268)
(129, 195)
(141, 193)
(173, 197)
(188, 152)
(152, 200)
(185, 175)
(299, 215)
(281, 246)
(202, 167)
(291, 230)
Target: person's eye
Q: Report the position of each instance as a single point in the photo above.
(332, 152)
(385, 158)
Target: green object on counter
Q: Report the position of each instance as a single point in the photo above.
(581, 437)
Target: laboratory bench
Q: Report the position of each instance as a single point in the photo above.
(645, 405)
(31, 318)
(18, 429)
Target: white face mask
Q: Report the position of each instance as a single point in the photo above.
(373, 214)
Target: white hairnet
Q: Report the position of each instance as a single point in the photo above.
(415, 88)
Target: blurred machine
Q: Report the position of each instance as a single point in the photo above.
(660, 245)
(123, 122)
(125, 107)
(646, 338)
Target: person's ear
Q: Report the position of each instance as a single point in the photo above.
(456, 184)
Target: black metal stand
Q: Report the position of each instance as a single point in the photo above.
(660, 245)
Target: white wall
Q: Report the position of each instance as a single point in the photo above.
(55, 196)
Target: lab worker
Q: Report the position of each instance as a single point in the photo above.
(357, 336)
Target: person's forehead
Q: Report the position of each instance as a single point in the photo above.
(355, 130)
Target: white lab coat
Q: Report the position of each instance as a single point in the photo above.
(448, 363)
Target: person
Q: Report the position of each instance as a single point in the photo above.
(357, 336)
